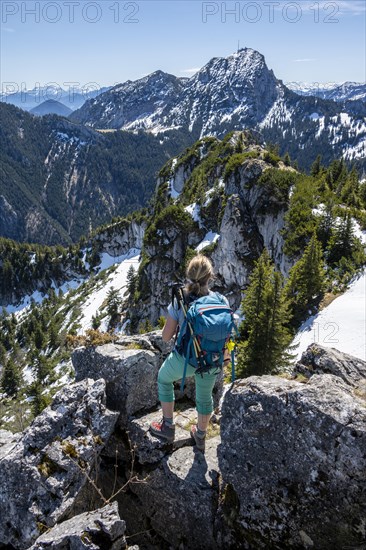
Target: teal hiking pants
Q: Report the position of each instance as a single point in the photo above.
(172, 370)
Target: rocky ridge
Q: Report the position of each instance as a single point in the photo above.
(283, 469)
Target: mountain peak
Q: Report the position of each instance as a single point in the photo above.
(246, 63)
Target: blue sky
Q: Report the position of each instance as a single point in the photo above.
(111, 41)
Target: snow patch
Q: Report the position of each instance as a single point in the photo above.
(194, 211)
(341, 325)
(209, 238)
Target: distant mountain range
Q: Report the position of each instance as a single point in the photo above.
(51, 107)
(337, 92)
(233, 93)
(73, 97)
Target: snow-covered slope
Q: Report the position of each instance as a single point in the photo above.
(96, 299)
(89, 295)
(341, 325)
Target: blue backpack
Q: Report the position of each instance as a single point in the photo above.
(207, 328)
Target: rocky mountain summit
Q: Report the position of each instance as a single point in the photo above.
(233, 93)
(284, 467)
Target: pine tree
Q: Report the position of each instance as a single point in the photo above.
(39, 337)
(287, 159)
(2, 354)
(131, 281)
(264, 335)
(54, 335)
(305, 285)
(95, 322)
(113, 307)
(327, 220)
(11, 379)
(41, 367)
(341, 242)
(300, 220)
(316, 166)
(40, 401)
(350, 193)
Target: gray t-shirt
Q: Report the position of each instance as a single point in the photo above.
(177, 313)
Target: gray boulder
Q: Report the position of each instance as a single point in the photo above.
(322, 360)
(130, 367)
(130, 375)
(43, 472)
(150, 449)
(95, 530)
(293, 460)
(180, 497)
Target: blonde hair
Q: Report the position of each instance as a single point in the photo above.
(199, 272)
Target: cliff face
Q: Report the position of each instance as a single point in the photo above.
(214, 199)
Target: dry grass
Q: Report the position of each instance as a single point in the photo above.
(328, 299)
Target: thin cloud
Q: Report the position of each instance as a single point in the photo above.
(190, 71)
(356, 7)
(304, 59)
(7, 29)
(331, 9)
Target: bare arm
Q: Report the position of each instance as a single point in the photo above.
(169, 329)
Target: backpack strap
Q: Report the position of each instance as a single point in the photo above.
(186, 363)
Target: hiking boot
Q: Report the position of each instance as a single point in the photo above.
(164, 430)
(200, 441)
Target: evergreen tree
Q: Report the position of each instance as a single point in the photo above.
(2, 354)
(287, 159)
(264, 336)
(95, 322)
(327, 220)
(54, 335)
(131, 281)
(113, 307)
(342, 240)
(11, 378)
(40, 401)
(39, 337)
(350, 193)
(41, 367)
(305, 285)
(316, 166)
(300, 220)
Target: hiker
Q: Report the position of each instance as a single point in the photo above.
(199, 274)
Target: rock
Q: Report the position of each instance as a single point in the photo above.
(122, 238)
(151, 449)
(8, 440)
(180, 497)
(239, 245)
(42, 475)
(95, 530)
(130, 374)
(151, 341)
(321, 360)
(293, 460)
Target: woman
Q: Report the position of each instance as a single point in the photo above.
(199, 273)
